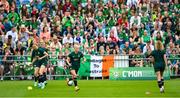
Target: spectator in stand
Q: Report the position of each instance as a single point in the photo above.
(45, 34)
(8, 60)
(173, 62)
(68, 39)
(23, 35)
(125, 48)
(13, 34)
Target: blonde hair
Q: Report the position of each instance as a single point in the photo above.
(159, 45)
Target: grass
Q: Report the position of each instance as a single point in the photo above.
(91, 89)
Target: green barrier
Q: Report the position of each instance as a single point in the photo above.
(135, 73)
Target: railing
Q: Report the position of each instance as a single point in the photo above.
(20, 67)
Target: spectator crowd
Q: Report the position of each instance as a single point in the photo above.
(101, 27)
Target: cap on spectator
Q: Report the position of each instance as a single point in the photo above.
(23, 26)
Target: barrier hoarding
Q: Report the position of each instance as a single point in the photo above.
(135, 73)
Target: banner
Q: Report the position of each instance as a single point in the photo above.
(96, 66)
(135, 73)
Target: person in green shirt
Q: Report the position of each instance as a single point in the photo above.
(160, 63)
(145, 38)
(14, 15)
(73, 60)
(67, 20)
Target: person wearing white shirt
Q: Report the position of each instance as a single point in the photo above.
(68, 39)
(148, 48)
(135, 20)
(13, 33)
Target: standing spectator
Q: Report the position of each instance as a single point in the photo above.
(13, 34)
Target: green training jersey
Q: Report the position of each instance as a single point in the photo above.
(75, 59)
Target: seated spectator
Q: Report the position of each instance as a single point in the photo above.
(10, 42)
(13, 34)
(136, 20)
(67, 20)
(68, 39)
(101, 51)
(100, 29)
(20, 60)
(159, 37)
(78, 39)
(137, 57)
(23, 35)
(125, 48)
(173, 62)
(68, 30)
(45, 34)
(134, 38)
(8, 60)
(148, 48)
(145, 37)
(56, 44)
(14, 15)
(68, 6)
(169, 48)
(101, 42)
(7, 24)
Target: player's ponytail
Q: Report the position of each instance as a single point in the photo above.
(159, 45)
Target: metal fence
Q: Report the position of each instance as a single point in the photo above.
(18, 67)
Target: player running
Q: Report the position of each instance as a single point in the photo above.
(39, 60)
(73, 60)
(160, 63)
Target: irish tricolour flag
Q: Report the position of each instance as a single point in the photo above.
(96, 66)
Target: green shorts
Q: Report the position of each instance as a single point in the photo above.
(74, 68)
(36, 64)
(43, 63)
(160, 68)
(40, 63)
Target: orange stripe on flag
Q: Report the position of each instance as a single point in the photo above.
(108, 62)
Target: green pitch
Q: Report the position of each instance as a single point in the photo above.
(91, 89)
